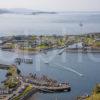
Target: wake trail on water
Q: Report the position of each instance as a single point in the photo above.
(66, 68)
(70, 69)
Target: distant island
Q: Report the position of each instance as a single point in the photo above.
(24, 11)
(2, 11)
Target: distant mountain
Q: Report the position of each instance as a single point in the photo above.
(21, 11)
(24, 11)
(2, 11)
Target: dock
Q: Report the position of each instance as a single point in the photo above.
(23, 60)
(52, 89)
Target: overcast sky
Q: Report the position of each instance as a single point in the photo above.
(53, 5)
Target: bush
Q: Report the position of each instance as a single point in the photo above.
(97, 88)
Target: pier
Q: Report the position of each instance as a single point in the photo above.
(45, 84)
(52, 89)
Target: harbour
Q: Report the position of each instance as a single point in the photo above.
(54, 70)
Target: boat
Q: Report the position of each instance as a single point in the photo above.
(46, 62)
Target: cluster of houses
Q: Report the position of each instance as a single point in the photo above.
(30, 41)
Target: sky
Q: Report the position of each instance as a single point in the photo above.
(53, 5)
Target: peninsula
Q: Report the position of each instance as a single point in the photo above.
(19, 87)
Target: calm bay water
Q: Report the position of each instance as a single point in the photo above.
(61, 23)
(80, 84)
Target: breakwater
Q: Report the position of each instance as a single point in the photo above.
(5, 67)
